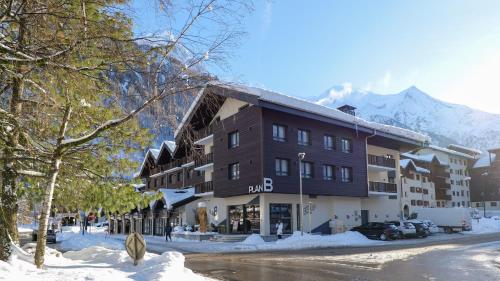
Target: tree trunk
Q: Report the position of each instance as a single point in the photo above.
(45, 213)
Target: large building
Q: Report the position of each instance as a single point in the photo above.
(485, 185)
(238, 147)
(455, 191)
(417, 188)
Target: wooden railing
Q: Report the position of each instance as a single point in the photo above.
(383, 187)
(381, 161)
(204, 160)
(204, 187)
(202, 133)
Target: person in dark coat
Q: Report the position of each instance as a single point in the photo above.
(168, 232)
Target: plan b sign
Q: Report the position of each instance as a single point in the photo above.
(266, 186)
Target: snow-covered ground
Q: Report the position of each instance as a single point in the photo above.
(95, 258)
(485, 225)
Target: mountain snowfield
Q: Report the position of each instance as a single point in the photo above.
(413, 109)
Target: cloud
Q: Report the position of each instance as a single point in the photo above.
(386, 80)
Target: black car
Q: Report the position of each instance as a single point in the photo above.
(51, 235)
(422, 228)
(378, 230)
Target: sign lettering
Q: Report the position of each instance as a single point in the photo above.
(267, 186)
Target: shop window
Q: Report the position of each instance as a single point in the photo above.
(283, 213)
(493, 204)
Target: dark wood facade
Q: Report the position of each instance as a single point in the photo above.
(485, 182)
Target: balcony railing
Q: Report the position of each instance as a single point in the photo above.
(204, 187)
(383, 187)
(204, 160)
(205, 132)
(443, 196)
(381, 161)
(440, 183)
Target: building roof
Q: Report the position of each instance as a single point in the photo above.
(403, 163)
(450, 151)
(174, 196)
(428, 158)
(170, 145)
(484, 161)
(464, 148)
(306, 106)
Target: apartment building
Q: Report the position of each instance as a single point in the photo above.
(417, 188)
(238, 147)
(485, 184)
(459, 163)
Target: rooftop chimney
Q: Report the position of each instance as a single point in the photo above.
(348, 109)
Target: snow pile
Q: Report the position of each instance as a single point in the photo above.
(484, 225)
(73, 240)
(255, 239)
(297, 241)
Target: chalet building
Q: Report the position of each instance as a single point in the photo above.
(417, 188)
(237, 148)
(455, 191)
(485, 185)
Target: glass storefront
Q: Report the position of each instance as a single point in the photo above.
(283, 213)
(244, 219)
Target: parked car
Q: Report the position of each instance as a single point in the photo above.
(378, 230)
(51, 235)
(406, 229)
(422, 228)
(433, 228)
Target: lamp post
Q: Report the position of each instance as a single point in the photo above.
(483, 193)
(301, 157)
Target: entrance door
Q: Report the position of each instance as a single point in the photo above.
(283, 213)
(364, 216)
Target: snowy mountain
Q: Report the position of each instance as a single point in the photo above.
(444, 122)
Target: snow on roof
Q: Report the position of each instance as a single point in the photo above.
(170, 144)
(423, 157)
(172, 196)
(450, 151)
(303, 105)
(153, 152)
(405, 162)
(494, 148)
(188, 112)
(138, 186)
(484, 161)
(473, 150)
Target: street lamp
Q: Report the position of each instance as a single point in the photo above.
(483, 193)
(301, 157)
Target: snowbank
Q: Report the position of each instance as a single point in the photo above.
(72, 240)
(94, 262)
(484, 225)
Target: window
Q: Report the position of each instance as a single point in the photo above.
(413, 202)
(424, 179)
(462, 193)
(234, 139)
(162, 181)
(463, 203)
(170, 178)
(425, 191)
(451, 171)
(156, 182)
(279, 133)
(453, 204)
(234, 171)
(426, 203)
(281, 167)
(304, 137)
(438, 204)
(467, 193)
(179, 176)
(346, 145)
(418, 177)
(493, 204)
(418, 190)
(306, 168)
(453, 192)
(189, 174)
(452, 181)
(458, 204)
(346, 174)
(329, 142)
(412, 189)
(420, 203)
(328, 172)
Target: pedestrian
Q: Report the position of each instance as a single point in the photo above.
(279, 229)
(168, 232)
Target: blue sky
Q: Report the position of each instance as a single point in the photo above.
(449, 49)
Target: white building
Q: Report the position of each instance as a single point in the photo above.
(417, 189)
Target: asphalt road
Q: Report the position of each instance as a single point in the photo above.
(470, 258)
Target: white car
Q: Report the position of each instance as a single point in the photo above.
(406, 229)
(433, 228)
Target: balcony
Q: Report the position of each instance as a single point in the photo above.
(440, 183)
(382, 188)
(381, 162)
(204, 187)
(203, 162)
(205, 136)
(442, 196)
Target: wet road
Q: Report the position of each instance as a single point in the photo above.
(471, 258)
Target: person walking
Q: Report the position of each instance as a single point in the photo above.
(279, 229)
(168, 232)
